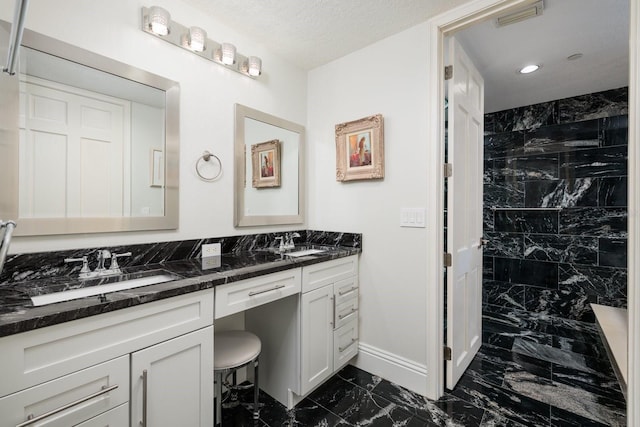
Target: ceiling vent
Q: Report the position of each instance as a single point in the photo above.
(520, 15)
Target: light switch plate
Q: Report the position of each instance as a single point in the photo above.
(211, 249)
(412, 217)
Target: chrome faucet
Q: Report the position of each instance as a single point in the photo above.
(103, 254)
(289, 243)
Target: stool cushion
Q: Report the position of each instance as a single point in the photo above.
(234, 348)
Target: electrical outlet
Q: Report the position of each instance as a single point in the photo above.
(212, 249)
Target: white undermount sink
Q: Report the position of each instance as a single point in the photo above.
(304, 252)
(88, 291)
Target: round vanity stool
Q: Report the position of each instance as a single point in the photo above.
(234, 350)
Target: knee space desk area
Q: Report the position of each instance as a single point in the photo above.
(145, 356)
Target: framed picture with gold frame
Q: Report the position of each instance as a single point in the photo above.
(360, 149)
(265, 161)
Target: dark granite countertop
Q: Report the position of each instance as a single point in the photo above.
(18, 314)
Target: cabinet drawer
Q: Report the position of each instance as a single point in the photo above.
(108, 382)
(345, 312)
(239, 296)
(318, 275)
(116, 417)
(346, 290)
(345, 343)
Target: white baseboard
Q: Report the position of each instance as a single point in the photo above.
(392, 367)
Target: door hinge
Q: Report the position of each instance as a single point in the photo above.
(447, 353)
(448, 72)
(448, 170)
(447, 259)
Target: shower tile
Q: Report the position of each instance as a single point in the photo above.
(524, 221)
(562, 303)
(613, 252)
(529, 272)
(569, 249)
(601, 162)
(544, 166)
(614, 131)
(596, 105)
(487, 268)
(506, 245)
(529, 117)
(612, 191)
(563, 137)
(502, 193)
(597, 222)
(503, 144)
(561, 193)
(503, 294)
(591, 280)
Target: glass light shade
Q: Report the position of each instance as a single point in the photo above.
(159, 20)
(197, 39)
(228, 54)
(254, 66)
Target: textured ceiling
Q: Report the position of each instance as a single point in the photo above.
(310, 33)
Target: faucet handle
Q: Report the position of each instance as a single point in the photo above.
(114, 261)
(85, 263)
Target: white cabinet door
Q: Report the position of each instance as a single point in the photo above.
(316, 337)
(173, 382)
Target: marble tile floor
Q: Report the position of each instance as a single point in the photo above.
(529, 372)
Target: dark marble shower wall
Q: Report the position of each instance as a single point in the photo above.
(555, 206)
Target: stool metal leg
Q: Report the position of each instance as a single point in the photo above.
(218, 398)
(256, 391)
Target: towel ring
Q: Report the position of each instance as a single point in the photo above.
(206, 156)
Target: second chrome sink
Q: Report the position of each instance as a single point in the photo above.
(98, 287)
(304, 252)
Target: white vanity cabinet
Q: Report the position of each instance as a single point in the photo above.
(85, 372)
(329, 319)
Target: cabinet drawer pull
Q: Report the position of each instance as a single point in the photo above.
(341, 349)
(145, 378)
(32, 420)
(342, 316)
(275, 288)
(347, 291)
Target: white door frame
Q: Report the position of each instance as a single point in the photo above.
(438, 27)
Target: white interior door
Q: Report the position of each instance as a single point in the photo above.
(71, 152)
(464, 206)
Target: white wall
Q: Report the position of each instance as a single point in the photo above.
(388, 78)
(208, 93)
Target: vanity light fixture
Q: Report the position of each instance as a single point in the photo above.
(157, 22)
(228, 54)
(196, 39)
(529, 69)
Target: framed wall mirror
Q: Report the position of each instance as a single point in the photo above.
(269, 169)
(92, 144)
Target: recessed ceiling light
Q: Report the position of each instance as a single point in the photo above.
(529, 69)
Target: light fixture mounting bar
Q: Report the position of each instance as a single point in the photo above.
(178, 36)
